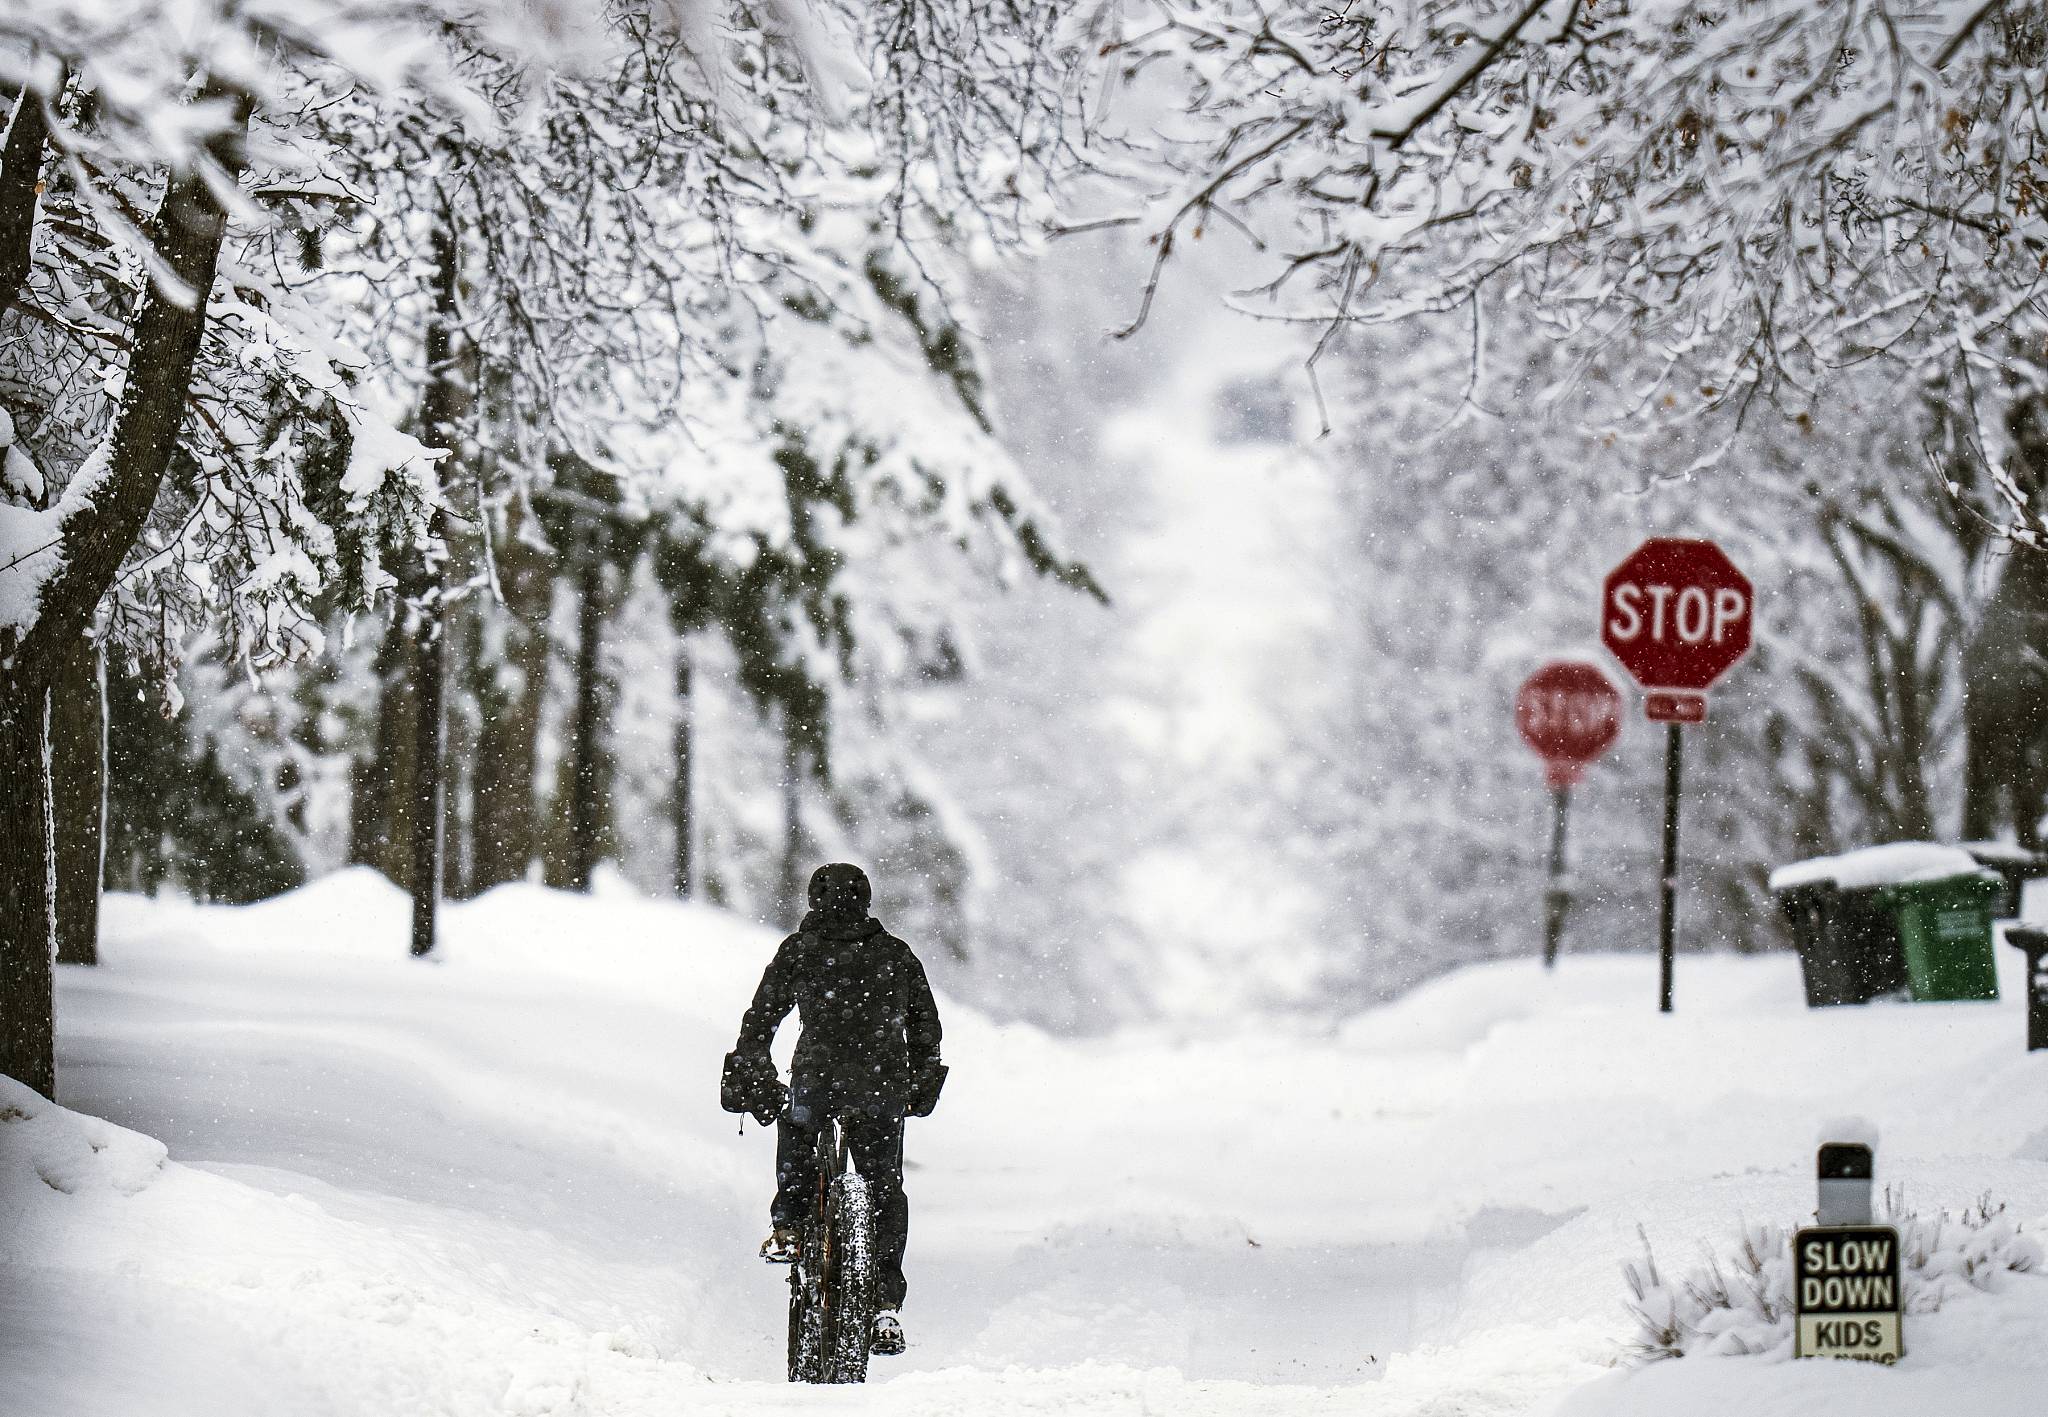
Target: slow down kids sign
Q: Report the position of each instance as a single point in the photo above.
(1846, 1282)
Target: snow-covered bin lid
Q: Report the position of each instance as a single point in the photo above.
(1892, 865)
(2002, 853)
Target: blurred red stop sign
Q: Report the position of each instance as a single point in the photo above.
(1570, 714)
(1676, 613)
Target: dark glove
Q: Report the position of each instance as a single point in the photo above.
(925, 1089)
(769, 1101)
(748, 1084)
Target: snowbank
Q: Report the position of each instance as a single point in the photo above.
(1981, 1356)
(141, 1286)
(498, 1183)
(44, 1147)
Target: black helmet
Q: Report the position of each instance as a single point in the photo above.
(840, 891)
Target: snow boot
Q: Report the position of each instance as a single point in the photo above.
(887, 1340)
(782, 1246)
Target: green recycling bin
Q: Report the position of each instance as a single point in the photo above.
(1945, 930)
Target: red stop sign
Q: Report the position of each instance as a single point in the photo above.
(1570, 714)
(1676, 613)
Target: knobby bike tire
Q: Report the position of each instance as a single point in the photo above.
(809, 1321)
(807, 1345)
(849, 1280)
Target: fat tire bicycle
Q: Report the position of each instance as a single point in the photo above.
(832, 1282)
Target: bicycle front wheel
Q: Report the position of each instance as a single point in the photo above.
(849, 1281)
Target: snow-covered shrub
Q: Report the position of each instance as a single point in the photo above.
(1945, 1256)
(1740, 1301)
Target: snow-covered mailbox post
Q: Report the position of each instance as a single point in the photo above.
(2034, 942)
(1845, 1270)
(1913, 917)
(1846, 1176)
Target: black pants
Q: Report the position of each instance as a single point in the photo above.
(877, 1147)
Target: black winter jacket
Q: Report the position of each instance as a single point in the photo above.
(870, 1029)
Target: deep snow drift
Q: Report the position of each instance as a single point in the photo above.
(498, 1183)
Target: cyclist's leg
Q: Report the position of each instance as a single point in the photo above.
(796, 1167)
(877, 1146)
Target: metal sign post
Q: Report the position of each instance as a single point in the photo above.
(1569, 714)
(1667, 900)
(1557, 897)
(1676, 613)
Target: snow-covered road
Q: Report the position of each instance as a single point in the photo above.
(499, 1183)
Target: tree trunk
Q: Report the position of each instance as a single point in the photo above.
(683, 801)
(98, 531)
(459, 731)
(21, 170)
(446, 396)
(789, 887)
(78, 797)
(28, 1035)
(164, 345)
(428, 796)
(380, 784)
(510, 679)
(585, 825)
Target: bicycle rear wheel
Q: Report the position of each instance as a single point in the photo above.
(807, 1336)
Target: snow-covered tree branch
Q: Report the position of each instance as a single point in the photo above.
(305, 290)
(1739, 198)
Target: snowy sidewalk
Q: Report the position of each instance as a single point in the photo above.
(499, 1184)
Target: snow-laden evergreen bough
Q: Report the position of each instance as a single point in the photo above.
(300, 290)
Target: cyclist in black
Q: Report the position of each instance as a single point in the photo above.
(869, 1052)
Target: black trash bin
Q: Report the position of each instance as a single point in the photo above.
(1849, 950)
